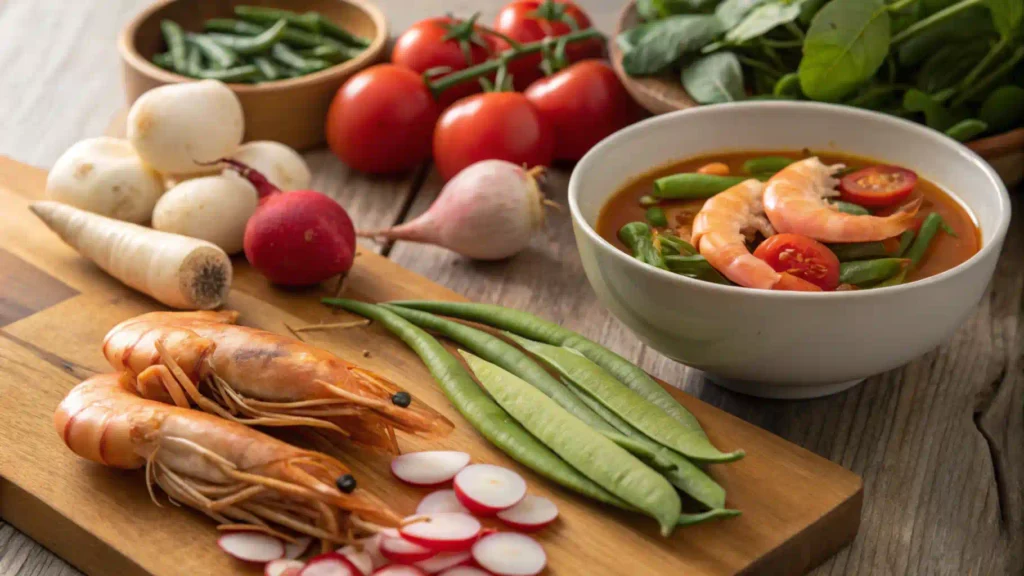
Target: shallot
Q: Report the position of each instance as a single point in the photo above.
(489, 211)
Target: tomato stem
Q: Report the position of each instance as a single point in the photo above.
(484, 68)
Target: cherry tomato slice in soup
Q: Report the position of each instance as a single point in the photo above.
(803, 257)
(877, 186)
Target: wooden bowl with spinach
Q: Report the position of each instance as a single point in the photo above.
(955, 65)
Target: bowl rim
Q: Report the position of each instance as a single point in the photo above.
(132, 56)
(592, 157)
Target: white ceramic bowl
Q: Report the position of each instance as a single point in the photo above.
(785, 344)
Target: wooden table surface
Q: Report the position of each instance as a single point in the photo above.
(939, 442)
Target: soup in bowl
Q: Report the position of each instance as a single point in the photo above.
(773, 295)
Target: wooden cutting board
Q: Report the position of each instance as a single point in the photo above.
(55, 307)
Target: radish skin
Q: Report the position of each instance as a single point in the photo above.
(282, 165)
(212, 208)
(489, 211)
(175, 270)
(178, 128)
(105, 176)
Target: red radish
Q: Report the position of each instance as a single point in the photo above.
(251, 546)
(465, 571)
(441, 501)
(444, 531)
(491, 210)
(403, 551)
(509, 554)
(399, 570)
(443, 561)
(486, 489)
(330, 564)
(282, 566)
(532, 514)
(299, 238)
(295, 549)
(361, 559)
(428, 468)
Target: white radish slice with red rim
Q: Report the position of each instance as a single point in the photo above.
(330, 564)
(464, 571)
(444, 531)
(251, 546)
(293, 550)
(428, 468)
(486, 489)
(283, 566)
(361, 559)
(441, 501)
(443, 561)
(509, 554)
(400, 550)
(533, 513)
(399, 570)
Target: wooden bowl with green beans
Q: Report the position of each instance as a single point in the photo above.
(284, 60)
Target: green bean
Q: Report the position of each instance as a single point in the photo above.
(268, 70)
(767, 165)
(163, 60)
(302, 39)
(489, 419)
(859, 251)
(648, 200)
(905, 240)
(678, 470)
(242, 73)
(337, 32)
(695, 266)
(867, 272)
(674, 245)
(174, 36)
(216, 54)
(289, 57)
(291, 36)
(851, 208)
(232, 26)
(656, 217)
(249, 45)
(309, 21)
(595, 456)
(924, 238)
(530, 326)
(693, 186)
(331, 53)
(625, 403)
(701, 517)
(638, 238)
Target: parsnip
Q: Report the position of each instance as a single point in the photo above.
(178, 271)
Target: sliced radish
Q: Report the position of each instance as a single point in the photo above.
(444, 531)
(371, 547)
(293, 550)
(330, 564)
(251, 546)
(486, 489)
(361, 559)
(428, 468)
(509, 554)
(283, 566)
(530, 515)
(441, 501)
(464, 571)
(399, 570)
(443, 561)
(403, 551)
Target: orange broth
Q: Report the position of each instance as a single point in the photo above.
(944, 252)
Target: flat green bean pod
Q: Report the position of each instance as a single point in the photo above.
(530, 326)
(637, 236)
(174, 36)
(216, 54)
(627, 404)
(248, 45)
(595, 456)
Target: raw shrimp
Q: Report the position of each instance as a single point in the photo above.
(232, 473)
(794, 200)
(261, 378)
(718, 233)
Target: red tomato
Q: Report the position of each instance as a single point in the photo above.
(494, 125)
(877, 186)
(791, 283)
(381, 120)
(802, 257)
(533, 20)
(584, 103)
(426, 45)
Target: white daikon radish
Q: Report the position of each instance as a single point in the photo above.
(178, 271)
(212, 208)
(105, 176)
(283, 166)
(179, 127)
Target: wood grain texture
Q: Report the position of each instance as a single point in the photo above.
(798, 508)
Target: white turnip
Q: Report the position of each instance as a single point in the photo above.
(211, 208)
(181, 128)
(283, 166)
(105, 176)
